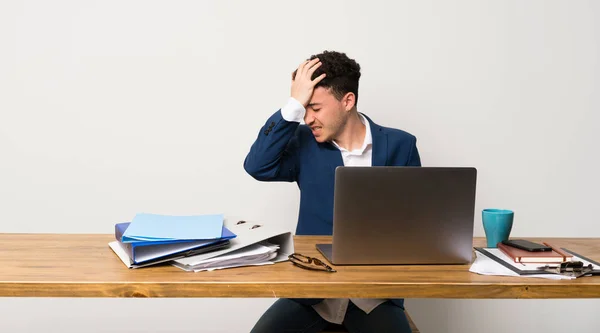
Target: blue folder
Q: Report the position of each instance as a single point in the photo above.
(156, 227)
(148, 252)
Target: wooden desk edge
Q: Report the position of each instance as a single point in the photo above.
(298, 290)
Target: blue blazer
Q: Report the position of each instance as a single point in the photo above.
(287, 151)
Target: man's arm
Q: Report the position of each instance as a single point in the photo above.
(413, 156)
(274, 154)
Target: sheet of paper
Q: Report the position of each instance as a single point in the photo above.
(239, 261)
(487, 266)
(248, 251)
(234, 266)
(255, 254)
(222, 267)
(153, 227)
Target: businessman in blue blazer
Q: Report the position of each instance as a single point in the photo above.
(324, 94)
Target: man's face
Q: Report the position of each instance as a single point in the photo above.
(325, 115)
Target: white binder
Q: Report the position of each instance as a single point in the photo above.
(248, 233)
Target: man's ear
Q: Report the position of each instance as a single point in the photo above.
(349, 101)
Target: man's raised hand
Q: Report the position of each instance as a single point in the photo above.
(302, 84)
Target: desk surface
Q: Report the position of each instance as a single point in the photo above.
(77, 265)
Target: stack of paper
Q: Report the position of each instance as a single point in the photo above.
(255, 244)
(151, 239)
(492, 261)
(255, 254)
(487, 266)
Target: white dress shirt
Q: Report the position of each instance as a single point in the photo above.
(334, 310)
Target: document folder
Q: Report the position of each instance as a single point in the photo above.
(155, 227)
(149, 252)
(248, 234)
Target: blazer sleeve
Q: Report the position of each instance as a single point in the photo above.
(413, 156)
(274, 154)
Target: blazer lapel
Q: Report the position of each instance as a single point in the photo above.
(332, 156)
(380, 142)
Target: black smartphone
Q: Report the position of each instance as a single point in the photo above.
(527, 245)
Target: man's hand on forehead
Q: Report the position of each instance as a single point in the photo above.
(302, 83)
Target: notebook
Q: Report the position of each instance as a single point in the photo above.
(543, 257)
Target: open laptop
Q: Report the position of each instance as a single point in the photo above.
(402, 215)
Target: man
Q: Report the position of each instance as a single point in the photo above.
(324, 94)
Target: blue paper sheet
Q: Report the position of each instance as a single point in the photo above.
(154, 227)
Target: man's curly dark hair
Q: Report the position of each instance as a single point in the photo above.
(342, 73)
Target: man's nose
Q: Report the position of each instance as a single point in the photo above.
(309, 118)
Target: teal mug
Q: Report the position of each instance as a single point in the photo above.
(497, 224)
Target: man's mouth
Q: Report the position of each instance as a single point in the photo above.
(316, 129)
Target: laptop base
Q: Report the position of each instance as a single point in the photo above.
(327, 251)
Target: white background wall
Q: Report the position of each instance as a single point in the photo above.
(109, 108)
